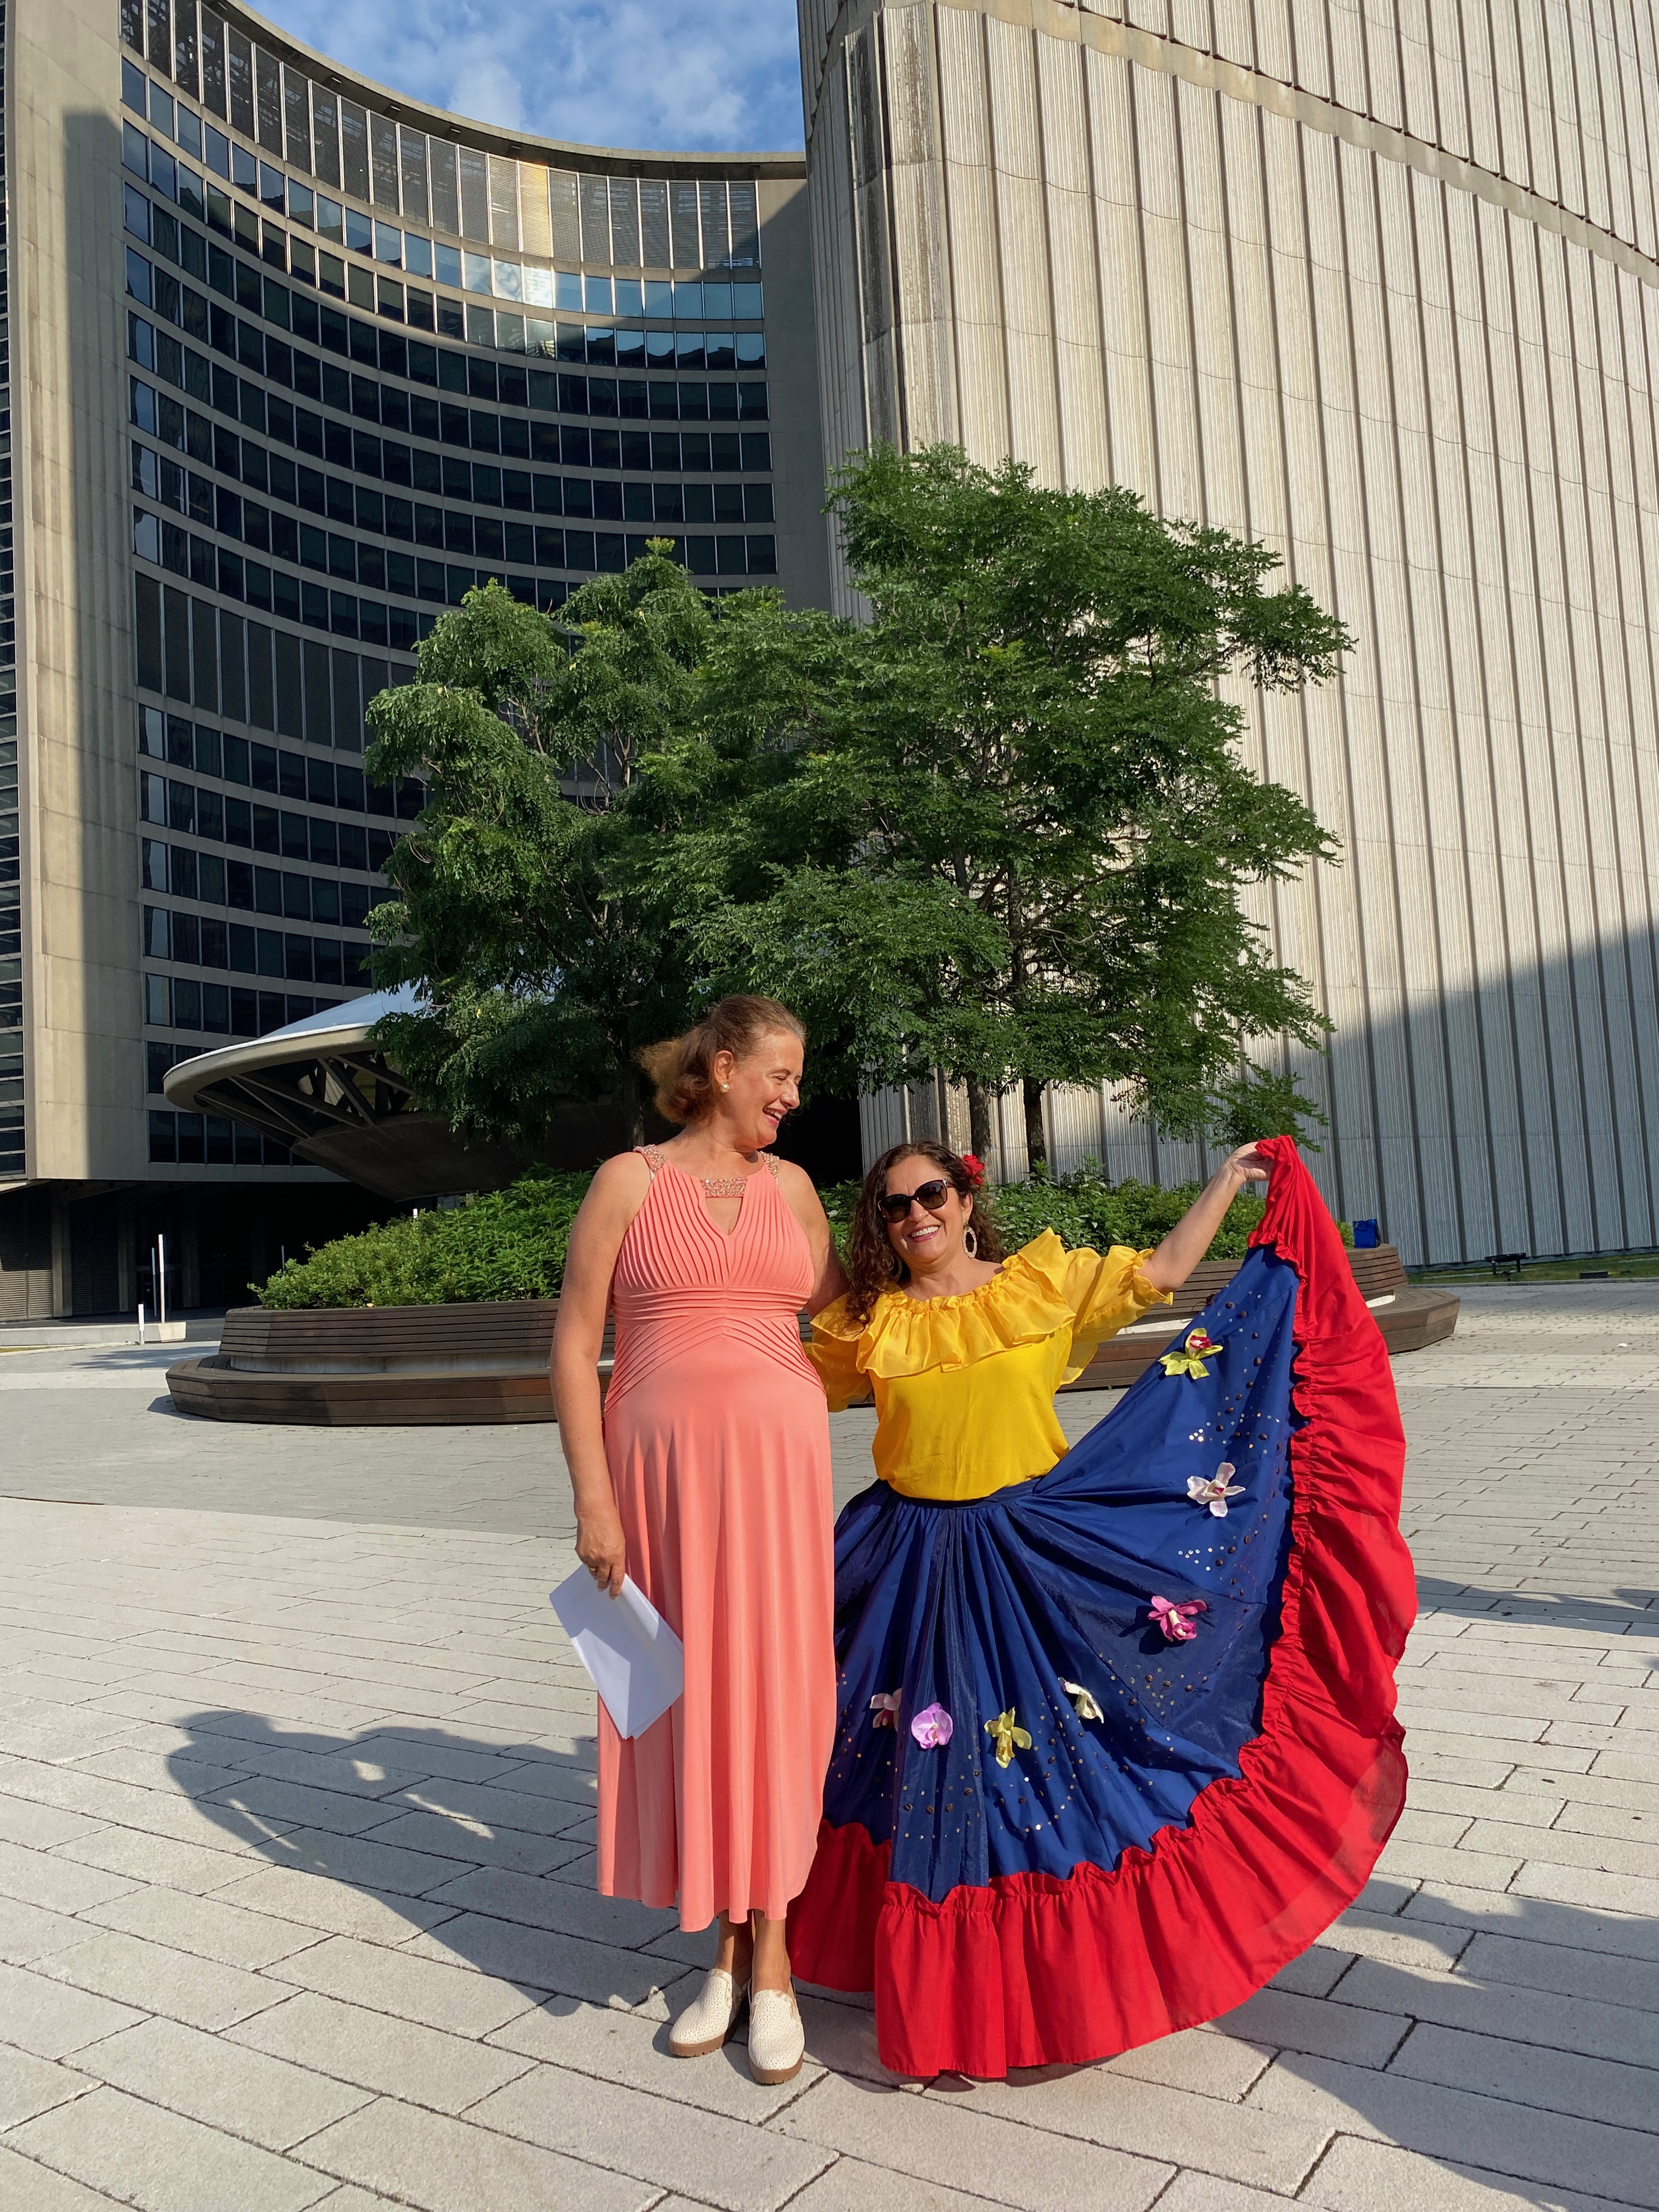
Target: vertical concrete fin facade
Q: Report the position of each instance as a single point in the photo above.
(1378, 288)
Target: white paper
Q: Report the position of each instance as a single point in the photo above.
(636, 1663)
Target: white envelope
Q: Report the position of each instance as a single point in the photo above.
(636, 1661)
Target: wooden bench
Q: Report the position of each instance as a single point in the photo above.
(424, 1366)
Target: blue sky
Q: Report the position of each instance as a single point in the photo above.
(693, 74)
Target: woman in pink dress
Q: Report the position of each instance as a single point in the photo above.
(708, 1480)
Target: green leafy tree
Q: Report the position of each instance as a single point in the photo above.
(1015, 828)
(532, 911)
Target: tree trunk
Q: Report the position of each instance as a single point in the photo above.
(1037, 1137)
(630, 1097)
(979, 1123)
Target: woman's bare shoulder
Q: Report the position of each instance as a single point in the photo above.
(619, 1185)
(796, 1185)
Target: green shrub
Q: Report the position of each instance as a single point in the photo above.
(511, 1244)
(508, 1244)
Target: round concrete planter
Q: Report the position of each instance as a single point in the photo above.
(326, 1366)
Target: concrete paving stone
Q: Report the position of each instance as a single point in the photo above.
(30, 1932)
(1471, 1802)
(1207, 2060)
(1375, 1936)
(294, 1805)
(1545, 2080)
(442, 2165)
(1625, 1736)
(1463, 1863)
(1630, 1823)
(853, 2185)
(163, 2161)
(29, 2084)
(445, 1996)
(723, 2161)
(508, 1849)
(335, 1771)
(623, 2047)
(1541, 1920)
(1515, 1963)
(1356, 2176)
(27, 2187)
(1462, 2000)
(394, 2057)
(581, 1873)
(41, 1877)
(1492, 2134)
(1570, 1885)
(539, 1722)
(1206, 2192)
(536, 1812)
(383, 1867)
(1098, 2106)
(53, 1732)
(208, 2078)
(1360, 2029)
(38, 1827)
(544, 1960)
(1625, 1766)
(156, 1978)
(1315, 1973)
(1442, 1719)
(1496, 1700)
(52, 2019)
(1614, 1852)
(313, 1901)
(195, 1778)
(614, 1920)
(525, 1769)
(1422, 1744)
(1419, 1824)
(203, 1926)
(1591, 1789)
(138, 1857)
(936, 2139)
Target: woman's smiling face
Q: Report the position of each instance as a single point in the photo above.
(924, 1239)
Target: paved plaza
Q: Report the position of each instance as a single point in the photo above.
(296, 1866)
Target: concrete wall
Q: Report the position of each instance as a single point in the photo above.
(1374, 285)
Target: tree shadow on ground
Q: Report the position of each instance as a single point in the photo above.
(1622, 1612)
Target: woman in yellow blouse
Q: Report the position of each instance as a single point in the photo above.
(1085, 1787)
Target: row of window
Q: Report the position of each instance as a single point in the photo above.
(236, 948)
(192, 651)
(293, 776)
(213, 1140)
(566, 291)
(191, 811)
(651, 222)
(181, 871)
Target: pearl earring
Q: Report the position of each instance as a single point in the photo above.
(725, 1086)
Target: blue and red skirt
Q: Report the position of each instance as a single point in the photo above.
(1115, 1745)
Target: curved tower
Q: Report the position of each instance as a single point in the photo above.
(301, 361)
(1375, 282)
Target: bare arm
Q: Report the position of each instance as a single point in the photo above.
(616, 1194)
(1190, 1239)
(828, 1276)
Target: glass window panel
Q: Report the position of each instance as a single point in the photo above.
(509, 283)
(630, 296)
(160, 35)
(480, 327)
(688, 303)
(688, 249)
(184, 64)
(190, 132)
(445, 202)
(330, 219)
(535, 223)
(354, 148)
(325, 135)
(509, 332)
(596, 219)
(687, 350)
(161, 109)
(719, 351)
(388, 244)
(746, 224)
(296, 112)
(213, 62)
(659, 348)
(270, 186)
(239, 71)
(475, 272)
(653, 223)
(658, 298)
(539, 287)
(300, 207)
(132, 24)
(624, 222)
(475, 193)
(717, 302)
(411, 153)
(748, 302)
(383, 161)
(539, 337)
(596, 294)
(567, 215)
(751, 348)
(504, 203)
(359, 231)
(716, 233)
(267, 89)
(418, 254)
(389, 298)
(568, 292)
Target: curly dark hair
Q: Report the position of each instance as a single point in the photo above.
(872, 1265)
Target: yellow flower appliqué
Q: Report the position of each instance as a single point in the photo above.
(1006, 1737)
(1190, 1360)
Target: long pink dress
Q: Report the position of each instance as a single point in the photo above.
(717, 1438)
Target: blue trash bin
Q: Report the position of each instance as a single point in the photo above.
(1365, 1238)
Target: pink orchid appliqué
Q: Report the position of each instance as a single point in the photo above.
(883, 1708)
(932, 1728)
(1178, 1622)
(1215, 1492)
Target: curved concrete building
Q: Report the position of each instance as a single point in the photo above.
(299, 362)
(1374, 282)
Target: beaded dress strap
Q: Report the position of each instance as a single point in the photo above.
(772, 1164)
(652, 1157)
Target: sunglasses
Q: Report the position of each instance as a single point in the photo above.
(897, 1204)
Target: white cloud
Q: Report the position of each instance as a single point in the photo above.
(669, 73)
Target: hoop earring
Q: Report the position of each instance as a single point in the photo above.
(971, 1243)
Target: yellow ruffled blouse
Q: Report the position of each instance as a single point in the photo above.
(964, 1387)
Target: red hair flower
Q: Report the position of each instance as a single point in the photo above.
(976, 1168)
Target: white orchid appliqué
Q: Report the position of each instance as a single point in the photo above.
(1215, 1492)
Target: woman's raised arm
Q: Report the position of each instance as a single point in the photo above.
(616, 1194)
(1191, 1237)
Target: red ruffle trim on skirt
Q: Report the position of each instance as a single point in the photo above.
(1033, 1970)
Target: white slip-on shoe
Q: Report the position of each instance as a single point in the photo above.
(710, 2017)
(777, 2039)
